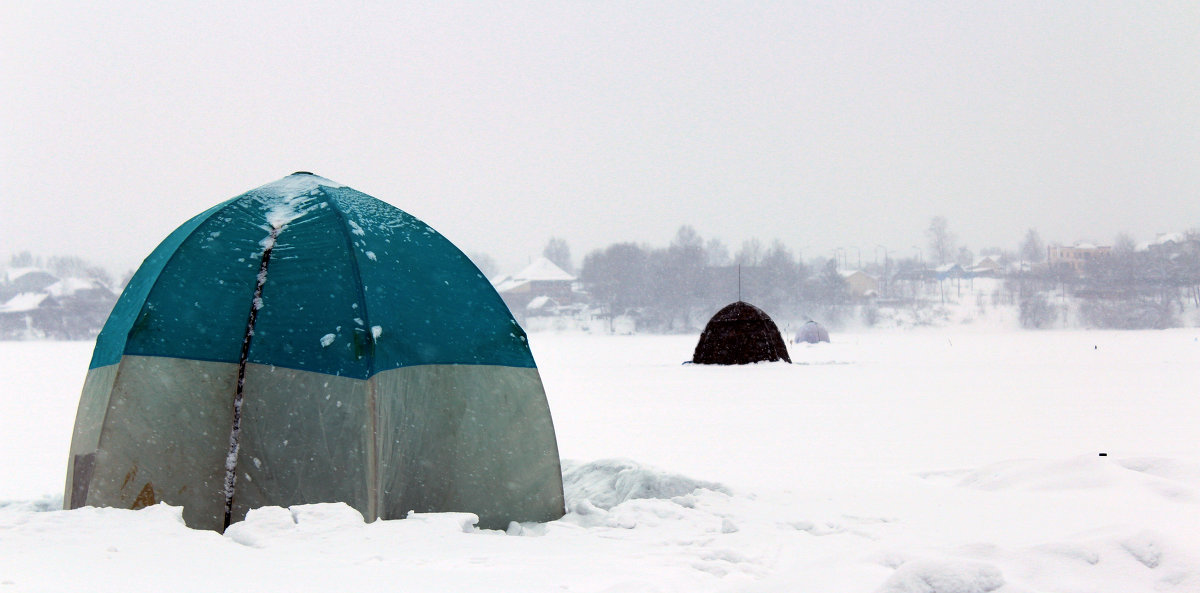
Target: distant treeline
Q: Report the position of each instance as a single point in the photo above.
(676, 288)
(1129, 288)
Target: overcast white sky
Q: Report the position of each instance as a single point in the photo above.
(822, 124)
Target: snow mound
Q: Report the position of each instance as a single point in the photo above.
(1114, 559)
(1145, 547)
(262, 526)
(1073, 551)
(295, 185)
(269, 526)
(1164, 467)
(943, 576)
(609, 482)
(41, 505)
(1171, 479)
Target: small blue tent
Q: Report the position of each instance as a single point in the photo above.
(305, 342)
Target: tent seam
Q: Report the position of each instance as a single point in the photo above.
(125, 342)
(158, 275)
(372, 403)
(231, 456)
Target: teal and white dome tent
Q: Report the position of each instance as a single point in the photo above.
(305, 342)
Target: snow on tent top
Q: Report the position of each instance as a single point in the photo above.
(740, 333)
(812, 332)
(342, 268)
(305, 342)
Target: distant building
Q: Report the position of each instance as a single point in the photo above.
(540, 279)
(29, 280)
(952, 270)
(1077, 256)
(859, 283)
(1170, 243)
(36, 304)
(986, 265)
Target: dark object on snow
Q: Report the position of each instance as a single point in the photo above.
(740, 334)
(812, 333)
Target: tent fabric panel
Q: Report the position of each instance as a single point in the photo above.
(110, 344)
(166, 449)
(312, 316)
(338, 248)
(417, 283)
(304, 439)
(467, 438)
(198, 307)
(89, 418)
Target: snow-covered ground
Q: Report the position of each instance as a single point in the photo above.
(920, 461)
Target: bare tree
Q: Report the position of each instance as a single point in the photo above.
(687, 238)
(1124, 243)
(964, 256)
(750, 254)
(784, 278)
(558, 252)
(941, 240)
(682, 278)
(24, 259)
(70, 266)
(1032, 249)
(716, 253)
(618, 276)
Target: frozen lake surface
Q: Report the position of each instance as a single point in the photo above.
(931, 461)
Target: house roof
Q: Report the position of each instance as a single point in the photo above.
(541, 270)
(538, 302)
(69, 286)
(1160, 240)
(14, 273)
(26, 301)
(848, 274)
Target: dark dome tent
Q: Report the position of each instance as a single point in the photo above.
(740, 333)
(302, 343)
(812, 333)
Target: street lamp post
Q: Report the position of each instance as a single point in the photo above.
(886, 251)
